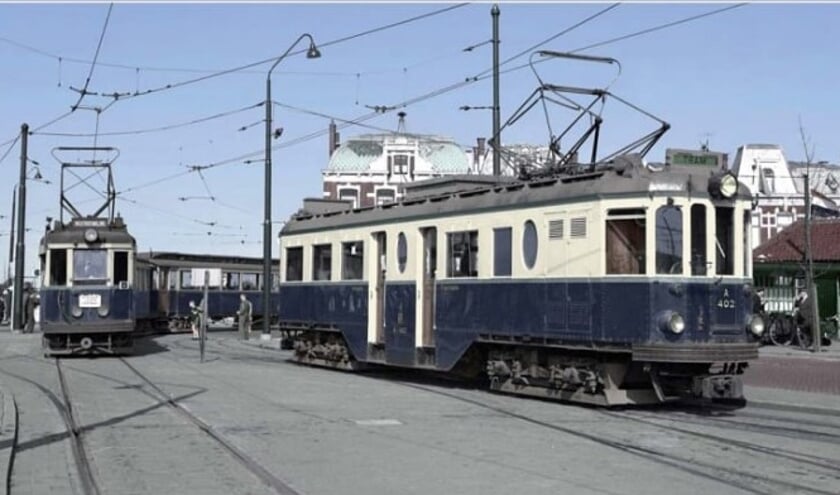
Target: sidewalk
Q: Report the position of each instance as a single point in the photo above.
(831, 352)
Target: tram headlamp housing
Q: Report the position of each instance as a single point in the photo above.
(673, 322)
(756, 325)
(723, 185)
(91, 235)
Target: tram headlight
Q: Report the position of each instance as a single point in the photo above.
(673, 322)
(91, 235)
(723, 185)
(756, 325)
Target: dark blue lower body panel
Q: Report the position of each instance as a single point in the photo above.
(599, 313)
(62, 311)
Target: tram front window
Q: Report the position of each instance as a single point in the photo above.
(669, 240)
(58, 267)
(90, 266)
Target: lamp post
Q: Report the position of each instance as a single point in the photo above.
(311, 53)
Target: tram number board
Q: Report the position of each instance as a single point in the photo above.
(90, 300)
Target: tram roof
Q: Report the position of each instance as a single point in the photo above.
(603, 183)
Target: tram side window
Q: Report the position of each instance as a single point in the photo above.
(669, 240)
(186, 279)
(120, 267)
(352, 255)
(172, 276)
(232, 280)
(294, 264)
(463, 254)
(626, 242)
(250, 281)
(58, 267)
(699, 263)
(322, 262)
(502, 241)
(724, 240)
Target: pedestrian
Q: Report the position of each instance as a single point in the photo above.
(3, 306)
(29, 302)
(195, 319)
(244, 314)
(804, 318)
(758, 301)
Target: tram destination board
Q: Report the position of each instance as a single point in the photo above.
(700, 158)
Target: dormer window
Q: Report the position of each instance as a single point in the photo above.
(401, 163)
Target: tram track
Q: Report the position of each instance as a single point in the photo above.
(733, 478)
(80, 456)
(268, 478)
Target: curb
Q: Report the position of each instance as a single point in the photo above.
(790, 407)
(8, 438)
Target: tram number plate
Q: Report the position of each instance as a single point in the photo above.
(90, 300)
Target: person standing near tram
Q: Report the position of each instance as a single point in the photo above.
(244, 314)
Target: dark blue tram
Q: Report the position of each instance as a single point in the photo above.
(89, 287)
(173, 278)
(620, 284)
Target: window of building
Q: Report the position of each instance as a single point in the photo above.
(294, 264)
(231, 281)
(90, 266)
(502, 245)
(349, 194)
(724, 240)
(530, 244)
(352, 258)
(768, 184)
(699, 263)
(626, 241)
(385, 196)
(401, 164)
(250, 281)
(322, 262)
(402, 252)
(463, 254)
(58, 267)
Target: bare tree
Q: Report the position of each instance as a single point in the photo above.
(816, 333)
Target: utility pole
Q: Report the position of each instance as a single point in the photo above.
(17, 304)
(497, 138)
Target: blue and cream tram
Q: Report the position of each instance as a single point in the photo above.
(87, 296)
(619, 284)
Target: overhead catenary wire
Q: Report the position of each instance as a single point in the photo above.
(167, 127)
(84, 91)
(440, 91)
(344, 39)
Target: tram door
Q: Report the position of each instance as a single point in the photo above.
(163, 286)
(428, 285)
(378, 287)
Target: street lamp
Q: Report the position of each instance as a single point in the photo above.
(312, 52)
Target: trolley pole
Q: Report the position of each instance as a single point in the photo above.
(17, 304)
(497, 138)
(816, 331)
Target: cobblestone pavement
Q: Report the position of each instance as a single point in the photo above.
(328, 432)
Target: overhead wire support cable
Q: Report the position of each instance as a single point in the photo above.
(322, 45)
(84, 91)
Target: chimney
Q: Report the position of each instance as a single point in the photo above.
(334, 138)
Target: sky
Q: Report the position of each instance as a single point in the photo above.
(745, 75)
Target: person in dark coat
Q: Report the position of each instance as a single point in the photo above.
(30, 301)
